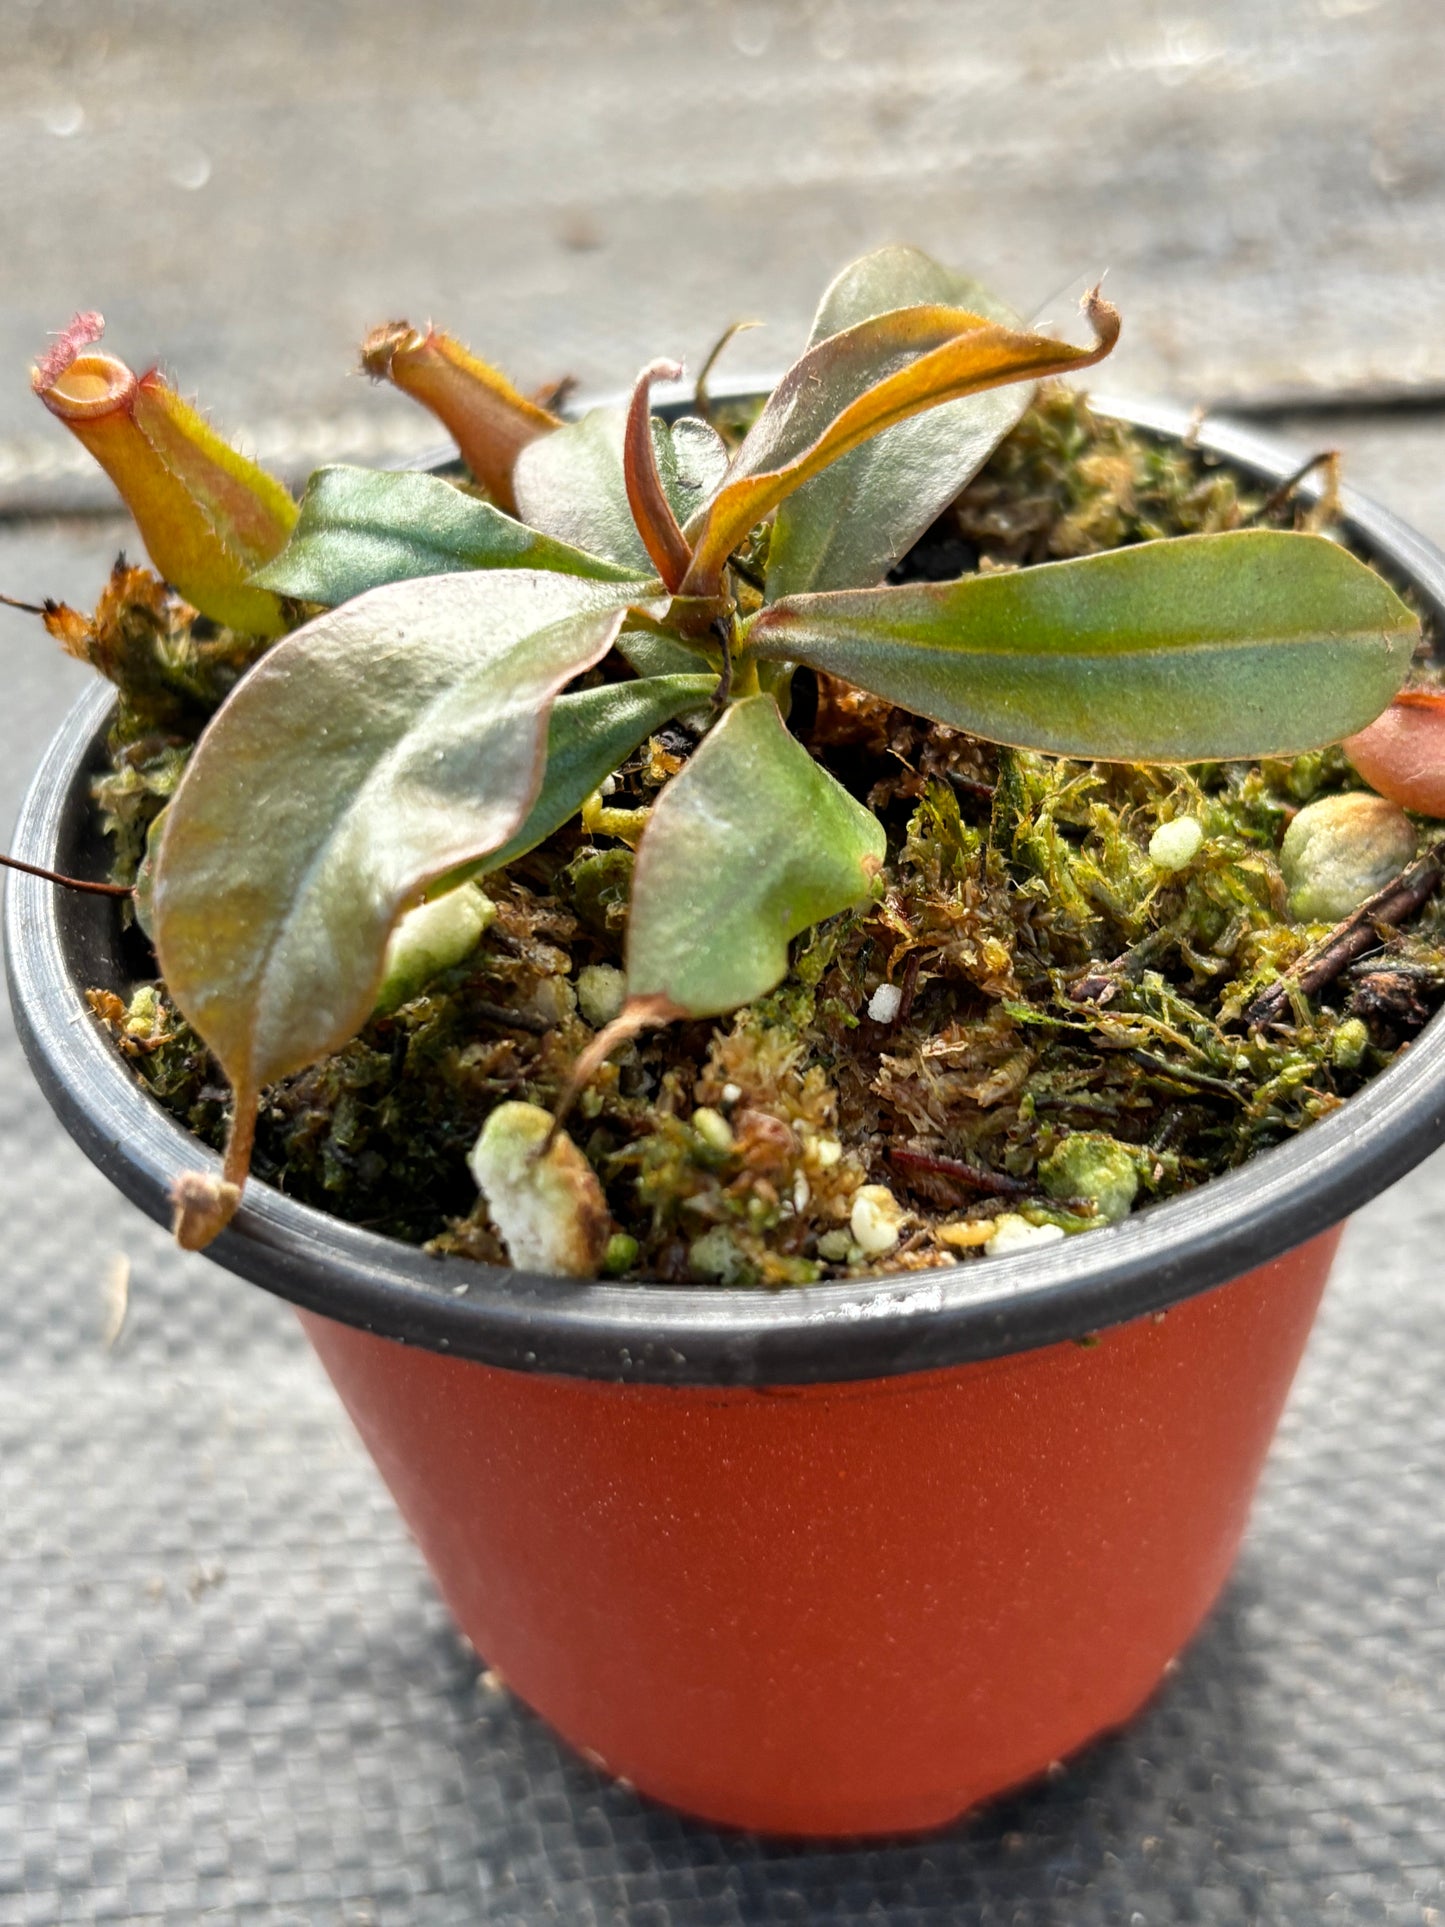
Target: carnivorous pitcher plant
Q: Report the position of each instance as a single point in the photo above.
(431, 705)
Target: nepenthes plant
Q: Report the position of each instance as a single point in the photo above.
(454, 670)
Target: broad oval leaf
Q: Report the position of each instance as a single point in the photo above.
(751, 843)
(1199, 647)
(858, 383)
(360, 528)
(846, 527)
(377, 748)
(572, 484)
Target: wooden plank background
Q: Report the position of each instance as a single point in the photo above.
(578, 185)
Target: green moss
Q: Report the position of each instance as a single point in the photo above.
(598, 884)
(1091, 1166)
(1067, 1018)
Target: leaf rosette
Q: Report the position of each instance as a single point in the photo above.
(489, 652)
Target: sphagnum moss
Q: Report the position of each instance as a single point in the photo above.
(1067, 1008)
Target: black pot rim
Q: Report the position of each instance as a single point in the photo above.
(707, 1336)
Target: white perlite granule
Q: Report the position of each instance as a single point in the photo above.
(885, 1003)
(1175, 845)
(876, 1219)
(1013, 1233)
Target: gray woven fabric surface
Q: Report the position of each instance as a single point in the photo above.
(228, 1693)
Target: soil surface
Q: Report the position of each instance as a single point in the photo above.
(1038, 1027)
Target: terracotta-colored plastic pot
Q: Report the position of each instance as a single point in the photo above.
(842, 1560)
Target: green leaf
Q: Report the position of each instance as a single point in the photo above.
(571, 483)
(1201, 647)
(751, 843)
(430, 939)
(899, 277)
(653, 653)
(362, 527)
(591, 733)
(369, 753)
(847, 527)
(854, 385)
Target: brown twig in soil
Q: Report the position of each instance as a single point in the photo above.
(933, 1164)
(511, 1019)
(1360, 931)
(994, 1184)
(910, 986)
(69, 883)
(1099, 985)
(969, 786)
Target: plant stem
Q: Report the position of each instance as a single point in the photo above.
(722, 628)
(70, 883)
(1100, 984)
(1181, 1074)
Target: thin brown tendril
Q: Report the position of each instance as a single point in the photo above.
(638, 1014)
(70, 883)
(1329, 460)
(701, 400)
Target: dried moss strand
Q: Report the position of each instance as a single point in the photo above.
(1182, 1074)
(1329, 460)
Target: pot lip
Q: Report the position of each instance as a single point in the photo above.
(711, 1336)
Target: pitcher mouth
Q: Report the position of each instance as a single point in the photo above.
(58, 945)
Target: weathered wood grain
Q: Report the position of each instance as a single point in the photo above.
(579, 186)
